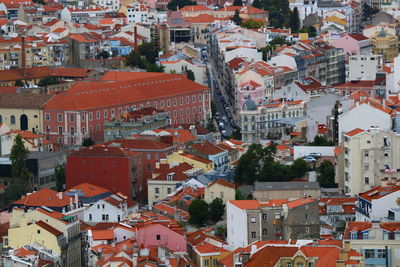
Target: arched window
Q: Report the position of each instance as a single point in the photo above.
(253, 118)
(245, 119)
(12, 119)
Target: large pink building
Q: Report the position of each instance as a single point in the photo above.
(158, 235)
(354, 44)
(80, 112)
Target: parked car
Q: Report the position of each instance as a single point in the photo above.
(316, 155)
(310, 159)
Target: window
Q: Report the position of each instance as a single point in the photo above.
(38, 231)
(311, 264)
(264, 232)
(264, 217)
(59, 117)
(386, 153)
(105, 114)
(369, 253)
(98, 115)
(156, 190)
(253, 219)
(365, 235)
(90, 116)
(72, 130)
(366, 180)
(206, 262)
(366, 153)
(71, 117)
(83, 117)
(90, 217)
(181, 101)
(188, 111)
(148, 156)
(307, 230)
(169, 190)
(353, 235)
(155, 105)
(194, 110)
(158, 237)
(366, 166)
(60, 129)
(148, 167)
(194, 99)
(289, 264)
(175, 102)
(381, 253)
(119, 111)
(175, 114)
(112, 112)
(221, 194)
(385, 235)
(253, 234)
(187, 100)
(215, 262)
(168, 103)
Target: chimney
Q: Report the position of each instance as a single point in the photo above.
(135, 38)
(23, 63)
(346, 245)
(76, 200)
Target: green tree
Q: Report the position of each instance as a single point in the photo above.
(277, 19)
(48, 81)
(198, 211)
(252, 24)
(88, 142)
(294, 21)
(326, 174)
(278, 41)
(176, 4)
(149, 51)
(257, 4)
(103, 54)
(237, 3)
(19, 154)
(211, 125)
(368, 12)
(19, 83)
(221, 231)
(240, 196)
(134, 59)
(214, 109)
(321, 141)
(248, 167)
(190, 75)
(267, 51)
(21, 178)
(217, 209)
(60, 177)
(150, 67)
(299, 168)
(236, 18)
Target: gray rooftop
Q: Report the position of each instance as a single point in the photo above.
(277, 186)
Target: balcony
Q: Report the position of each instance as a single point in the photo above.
(362, 211)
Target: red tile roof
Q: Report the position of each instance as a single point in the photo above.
(89, 95)
(269, 256)
(87, 190)
(105, 151)
(207, 148)
(181, 136)
(310, 84)
(118, 199)
(48, 228)
(8, 89)
(223, 183)
(359, 37)
(205, 247)
(246, 204)
(354, 132)
(103, 234)
(44, 197)
(194, 8)
(139, 144)
(299, 202)
(196, 158)
(378, 192)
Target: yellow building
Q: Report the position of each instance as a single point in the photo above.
(386, 45)
(219, 189)
(51, 229)
(32, 141)
(23, 111)
(195, 161)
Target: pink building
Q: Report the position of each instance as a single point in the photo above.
(354, 44)
(158, 235)
(250, 88)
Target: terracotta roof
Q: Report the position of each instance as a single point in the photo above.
(338, 150)
(194, 8)
(89, 95)
(103, 234)
(310, 84)
(246, 204)
(71, 72)
(8, 89)
(53, 214)
(234, 63)
(356, 227)
(48, 228)
(354, 132)
(203, 19)
(44, 197)
(207, 148)
(107, 151)
(378, 192)
(139, 144)
(347, 203)
(87, 190)
(223, 183)
(205, 247)
(118, 199)
(269, 256)
(182, 136)
(299, 202)
(359, 37)
(171, 210)
(26, 134)
(23, 252)
(359, 84)
(23, 101)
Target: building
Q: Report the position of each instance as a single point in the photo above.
(71, 116)
(377, 242)
(183, 65)
(88, 193)
(159, 235)
(23, 111)
(374, 204)
(114, 168)
(134, 122)
(32, 141)
(264, 191)
(385, 45)
(53, 230)
(114, 208)
(197, 162)
(166, 178)
(369, 156)
(219, 189)
(211, 152)
(276, 219)
(336, 211)
(364, 67)
(271, 118)
(354, 44)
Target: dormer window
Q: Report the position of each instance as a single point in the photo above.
(170, 176)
